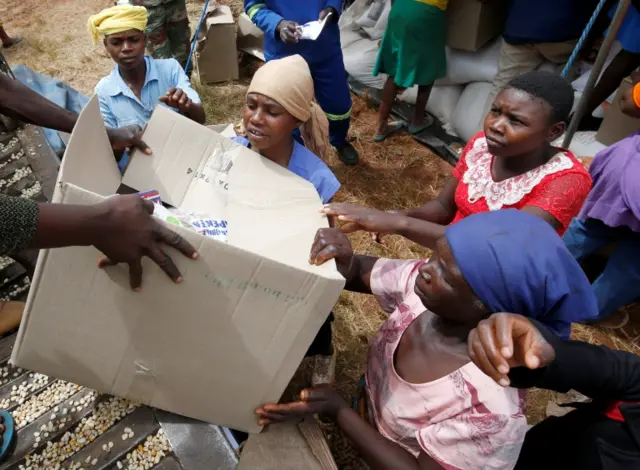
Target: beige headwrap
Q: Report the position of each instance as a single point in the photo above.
(288, 81)
(117, 20)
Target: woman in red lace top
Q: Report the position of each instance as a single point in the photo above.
(512, 164)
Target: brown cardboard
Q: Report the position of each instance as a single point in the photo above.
(217, 53)
(471, 23)
(225, 130)
(250, 37)
(616, 125)
(228, 338)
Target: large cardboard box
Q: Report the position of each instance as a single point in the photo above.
(228, 338)
(217, 52)
(616, 125)
(471, 24)
(250, 37)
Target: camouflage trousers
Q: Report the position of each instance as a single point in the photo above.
(168, 32)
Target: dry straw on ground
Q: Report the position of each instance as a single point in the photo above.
(397, 174)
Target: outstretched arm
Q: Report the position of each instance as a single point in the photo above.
(22, 103)
(122, 228)
(357, 218)
(379, 452)
(440, 210)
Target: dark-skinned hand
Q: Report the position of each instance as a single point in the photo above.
(507, 340)
(289, 31)
(126, 138)
(359, 218)
(318, 400)
(331, 243)
(129, 232)
(328, 11)
(177, 98)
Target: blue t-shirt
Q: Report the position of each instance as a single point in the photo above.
(308, 166)
(540, 21)
(120, 107)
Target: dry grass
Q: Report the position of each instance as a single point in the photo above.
(56, 39)
(397, 174)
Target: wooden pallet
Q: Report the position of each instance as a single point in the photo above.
(31, 440)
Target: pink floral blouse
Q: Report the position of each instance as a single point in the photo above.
(464, 420)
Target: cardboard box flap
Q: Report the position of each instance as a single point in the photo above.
(196, 169)
(226, 130)
(88, 160)
(250, 37)
(219, 14)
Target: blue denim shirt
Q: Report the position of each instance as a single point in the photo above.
(120, 107)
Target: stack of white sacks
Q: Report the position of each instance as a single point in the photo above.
(458, 100)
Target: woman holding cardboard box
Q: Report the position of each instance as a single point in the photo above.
(279, 100)
(427, 406)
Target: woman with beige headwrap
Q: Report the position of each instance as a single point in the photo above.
(280, 100)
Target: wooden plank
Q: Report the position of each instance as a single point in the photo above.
(170, 462)
(142, 423)
(280, 447)
(315, 439)
(41, 158)
(27, 440)
(26, 380)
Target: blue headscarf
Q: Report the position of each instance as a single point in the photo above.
(515, 262)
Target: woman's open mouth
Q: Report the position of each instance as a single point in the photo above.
(255, 134)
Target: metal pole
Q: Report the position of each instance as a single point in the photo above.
(621, 11)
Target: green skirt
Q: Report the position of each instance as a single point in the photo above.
(413, 46)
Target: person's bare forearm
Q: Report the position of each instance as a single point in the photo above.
(441, 210)
(359, 276)
(420, 231)
(432, 211)
(61, 225)
(22, 103)
(196, 113)
(379, 452)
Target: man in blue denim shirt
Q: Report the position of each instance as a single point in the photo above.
(129, 94)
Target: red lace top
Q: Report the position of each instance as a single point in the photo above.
(558, 187)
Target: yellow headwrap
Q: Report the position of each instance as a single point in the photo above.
(116, 20)
(288, 81)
